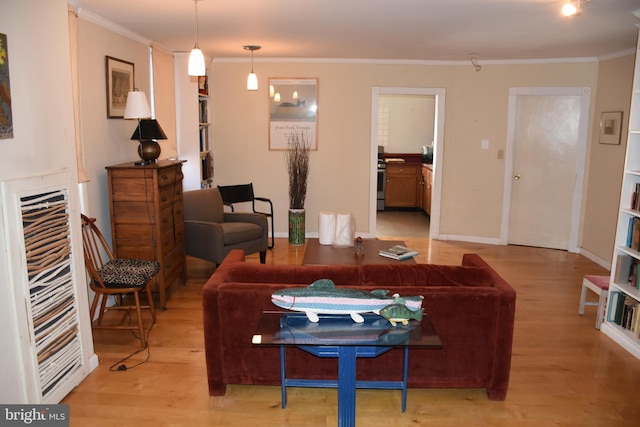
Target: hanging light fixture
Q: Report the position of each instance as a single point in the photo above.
(196, 58)
(572, 7)
(252, 80)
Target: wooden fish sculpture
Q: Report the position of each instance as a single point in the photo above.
(322, 297)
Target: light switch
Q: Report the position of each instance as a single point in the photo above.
(484, 144)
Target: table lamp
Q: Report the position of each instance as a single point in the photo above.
(148, 129)
(147, 132)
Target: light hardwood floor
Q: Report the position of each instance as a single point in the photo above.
(564, 372)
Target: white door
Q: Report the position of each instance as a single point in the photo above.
(547, 140)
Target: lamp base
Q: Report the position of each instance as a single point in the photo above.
(149, 151)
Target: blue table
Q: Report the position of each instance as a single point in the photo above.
(338, 336)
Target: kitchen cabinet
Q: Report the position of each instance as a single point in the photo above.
(427, 184)
(403, 185)
(147, 218)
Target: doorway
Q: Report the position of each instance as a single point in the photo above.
(546, 146)
(438, 132)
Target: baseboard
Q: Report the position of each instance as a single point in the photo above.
(601, 262)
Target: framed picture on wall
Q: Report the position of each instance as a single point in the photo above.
(293, 109)
(120, 81)
(610, 127)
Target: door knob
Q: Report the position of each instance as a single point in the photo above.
(516, 176)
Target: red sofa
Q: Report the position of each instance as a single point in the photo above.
(470, 305)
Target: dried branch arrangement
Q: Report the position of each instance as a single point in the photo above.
(297, 157)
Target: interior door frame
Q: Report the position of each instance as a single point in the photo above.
(438, 141)
(581, 150)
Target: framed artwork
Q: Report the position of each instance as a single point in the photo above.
(293, 109)
(6, 115)
(120, 81)
(610, 127)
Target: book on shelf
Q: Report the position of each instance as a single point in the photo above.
(633, 234)
(625, 312)
(398, 252)
(627, 271)
(635, 198)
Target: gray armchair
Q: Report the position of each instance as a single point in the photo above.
(210, 232)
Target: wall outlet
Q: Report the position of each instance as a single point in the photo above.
(484, 144)
(500, 154)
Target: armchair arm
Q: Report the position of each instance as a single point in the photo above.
(254, 218)
(204, 240)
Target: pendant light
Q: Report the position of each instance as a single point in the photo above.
(196, 58)
(572, 7)
(252, 80)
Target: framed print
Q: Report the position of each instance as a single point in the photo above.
(610, 127)
(120, 81)
(6, 115)
(293, 109)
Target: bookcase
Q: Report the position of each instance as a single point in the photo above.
(194, 130)
(204, 127)
(622, 317)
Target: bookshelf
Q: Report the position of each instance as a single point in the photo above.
(204, 128)
(622, 317)
(194, 129)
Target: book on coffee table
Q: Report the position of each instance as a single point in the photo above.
(398, 252)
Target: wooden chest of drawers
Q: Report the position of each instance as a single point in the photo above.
(147, 218)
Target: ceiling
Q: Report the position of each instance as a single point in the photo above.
(387, 30)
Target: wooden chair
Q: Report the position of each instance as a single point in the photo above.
(118, 277)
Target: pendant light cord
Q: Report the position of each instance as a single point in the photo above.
(196, 3)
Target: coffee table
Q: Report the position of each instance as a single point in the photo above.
(317, 254)
(338, 336)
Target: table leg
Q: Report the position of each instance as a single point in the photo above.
(346, 386)
(283, 377)
(405, 377)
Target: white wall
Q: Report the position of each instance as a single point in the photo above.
(43, 142)
(106, 141)
(410, 121)
(476, 109)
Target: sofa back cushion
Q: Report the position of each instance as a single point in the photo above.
(290, 274)
(424, 275)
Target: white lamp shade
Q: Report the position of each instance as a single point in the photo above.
(569, 9)
(252, 81)
(196, 63)
(137, 106)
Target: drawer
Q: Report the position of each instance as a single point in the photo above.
(134, 212)
(178, 213)
(402, 169)
(166, 219)
(167, 241)
(170, 176)
(173, 262)
(167, 197)
(135, 249)
(179, 234)
(123, 189)
(134, 232)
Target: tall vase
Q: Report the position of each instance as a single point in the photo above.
(296, 226)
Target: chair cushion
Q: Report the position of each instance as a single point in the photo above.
(128, 273)
(240, 232)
